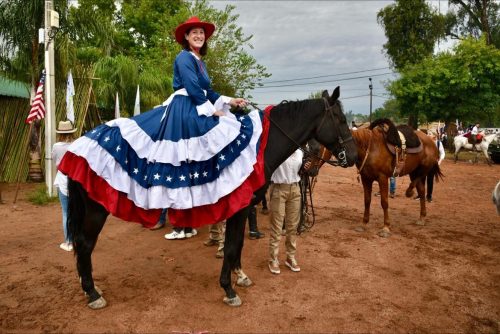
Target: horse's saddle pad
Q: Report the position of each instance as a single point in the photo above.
(410, 142)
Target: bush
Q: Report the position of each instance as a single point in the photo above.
(40, 197)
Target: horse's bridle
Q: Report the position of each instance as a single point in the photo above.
(341, 154)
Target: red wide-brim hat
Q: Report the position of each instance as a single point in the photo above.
(193, 22)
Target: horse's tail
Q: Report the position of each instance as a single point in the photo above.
(392, 135)
(76, 211)
(436, 173)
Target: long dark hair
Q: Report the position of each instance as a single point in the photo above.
(185, 43)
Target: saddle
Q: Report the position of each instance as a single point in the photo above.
(479, 138)
(410, 144)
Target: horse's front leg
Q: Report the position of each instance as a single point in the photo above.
(384, 202)
(233, 246)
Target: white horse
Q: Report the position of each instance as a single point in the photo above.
(462, 142)
(496, 197)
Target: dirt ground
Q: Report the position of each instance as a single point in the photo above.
(441, 277)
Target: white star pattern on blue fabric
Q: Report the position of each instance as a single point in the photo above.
(107, 138)
(145, 177)
(243, 136)
(126, 161)
(218, 167)
(136, 170)
(157, 176)
(182, 178)
(196, 175)
(94, 131)
(205, 174)
(242, 118)
(118, 148)
(238, 142)
(190, 175)
(222, 157)
(169, 178)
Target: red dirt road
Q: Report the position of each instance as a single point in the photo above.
(442, 277)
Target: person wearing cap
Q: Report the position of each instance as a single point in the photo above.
(65, 136)
(194, 101)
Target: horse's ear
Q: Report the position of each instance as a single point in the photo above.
(325, 94)
(336, 93)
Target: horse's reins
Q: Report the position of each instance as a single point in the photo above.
(366, 156)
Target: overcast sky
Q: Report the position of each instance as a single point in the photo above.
(319, 39)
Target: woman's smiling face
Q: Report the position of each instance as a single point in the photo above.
(196, 38)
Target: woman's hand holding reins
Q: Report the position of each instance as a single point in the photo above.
(238, 102)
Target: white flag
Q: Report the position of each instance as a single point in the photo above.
(137, 105)
(117, 106)
(70, 92)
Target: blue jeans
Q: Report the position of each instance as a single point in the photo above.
(392, 185)
(64, 205)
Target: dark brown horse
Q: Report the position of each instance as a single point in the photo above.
(377, 163)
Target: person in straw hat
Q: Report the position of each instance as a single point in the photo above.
(65, 136)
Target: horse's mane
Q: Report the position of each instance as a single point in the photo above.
(296, 109)
(388, 127)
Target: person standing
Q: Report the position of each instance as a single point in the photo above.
(430, 178)
(285, 205)
(65, 136)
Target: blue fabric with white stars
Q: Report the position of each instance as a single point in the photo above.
(149, 174)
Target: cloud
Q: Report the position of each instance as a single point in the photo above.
(300, 39)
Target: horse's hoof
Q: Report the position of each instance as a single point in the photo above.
(99, 291)
(98, 303)
(359, 229)
(244, 281)
(420, 222)
(235, 301)
(384, 234)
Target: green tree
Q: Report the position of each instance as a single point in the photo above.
(412, 28)
(390, 109)
(475, 18)
(460, 84)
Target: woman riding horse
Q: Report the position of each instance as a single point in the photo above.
(93, 197)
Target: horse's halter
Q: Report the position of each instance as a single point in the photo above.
(341, 153)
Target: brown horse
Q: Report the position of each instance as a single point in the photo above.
(377, 163)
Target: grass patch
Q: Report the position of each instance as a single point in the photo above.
(39, 196)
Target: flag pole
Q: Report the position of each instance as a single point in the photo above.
(50, 123)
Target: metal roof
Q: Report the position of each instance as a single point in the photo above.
(14, 88)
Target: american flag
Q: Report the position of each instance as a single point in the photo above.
(38, 107)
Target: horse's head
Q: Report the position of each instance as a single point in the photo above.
(318, 155)
(333, 131)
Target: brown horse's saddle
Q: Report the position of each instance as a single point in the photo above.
(410, 144)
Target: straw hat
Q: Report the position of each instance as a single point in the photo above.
(193, 22)
(65, 127)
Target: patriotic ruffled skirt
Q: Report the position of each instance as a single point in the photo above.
(203, 169)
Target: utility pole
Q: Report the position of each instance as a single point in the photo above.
(371, 90)
(51, 24)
